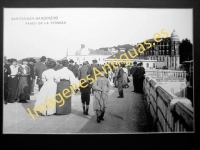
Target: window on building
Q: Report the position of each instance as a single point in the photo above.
(99, 59)
(147, 65)
(154, 65)
(172, 64)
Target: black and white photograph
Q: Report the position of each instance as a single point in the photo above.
(98, 70)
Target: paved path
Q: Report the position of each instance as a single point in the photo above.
(123, 115)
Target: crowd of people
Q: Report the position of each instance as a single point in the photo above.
(53, 77)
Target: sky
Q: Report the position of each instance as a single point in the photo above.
(94, 27)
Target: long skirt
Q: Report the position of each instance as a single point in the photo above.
(12, 89)
(33, 85)
(45, 98)
(23, 88)
(30, 82)
(66, 108)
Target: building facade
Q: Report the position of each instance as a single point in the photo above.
(84, 54)
(166, 51)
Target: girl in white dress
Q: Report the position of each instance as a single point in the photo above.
(46, 95)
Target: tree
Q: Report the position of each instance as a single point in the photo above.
(185, 50)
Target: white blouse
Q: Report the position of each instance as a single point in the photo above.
(24, 66)
(14, 70)
(49, 74)
(66, 74)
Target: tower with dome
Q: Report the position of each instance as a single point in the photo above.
(165, 52)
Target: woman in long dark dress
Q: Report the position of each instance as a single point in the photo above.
(65, 78)
(24, 77)
(13, 82)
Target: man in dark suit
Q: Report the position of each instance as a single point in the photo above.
(120, 81)
(76, 66)
(58, 66)
(141, 77)
(91, 72)
(39, 68)
(134, 72)
(71, 66)
(32, 74)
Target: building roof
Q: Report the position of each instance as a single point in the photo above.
(117, 55)
(100, 52)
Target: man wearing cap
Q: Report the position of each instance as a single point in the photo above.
(85, 92)
(71, 66)
(116, 70)
(141, 77)
(90, 70)
(120, 81)
(82, 72)
(32, 73)
(134, 72)
(76, 66)
(39, 68)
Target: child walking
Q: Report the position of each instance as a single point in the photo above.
(85, 96)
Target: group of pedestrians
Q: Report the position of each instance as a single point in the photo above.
(100, 89)
(18, 80)
(138, 71)
(52, 78)
(121, 80)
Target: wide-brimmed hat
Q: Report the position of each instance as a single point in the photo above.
(140, 63)
(71, 61)
(12, 60)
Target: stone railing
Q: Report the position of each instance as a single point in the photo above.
(170, 113)
(166, 75)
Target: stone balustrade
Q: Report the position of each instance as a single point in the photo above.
(170, 113)
(166, 75)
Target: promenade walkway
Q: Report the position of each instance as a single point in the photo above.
(123, 115)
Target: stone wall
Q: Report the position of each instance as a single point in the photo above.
(170, 112)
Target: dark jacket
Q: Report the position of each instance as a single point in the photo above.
(120, 74)
(134, 70)
(32, 73)
(58, 67)
(90, 70)
(71, 67)
(141, 72)
(7, 72)
(39, 69)
(82, 72)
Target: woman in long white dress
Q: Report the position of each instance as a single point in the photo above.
(46, 95)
